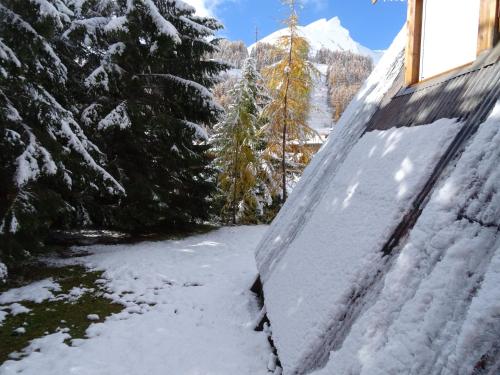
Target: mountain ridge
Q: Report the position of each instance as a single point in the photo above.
(326, 33)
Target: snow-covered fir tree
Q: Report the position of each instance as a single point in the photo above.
(46, 158)
(245, 185)
(151, 108)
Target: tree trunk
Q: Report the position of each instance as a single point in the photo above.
(285, 119)
(235, 178)
(283, 158)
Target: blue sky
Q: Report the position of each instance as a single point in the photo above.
(374, 26)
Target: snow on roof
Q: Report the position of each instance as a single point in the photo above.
(437, 310)
(336, 302)
(341, 240)
(348, 129)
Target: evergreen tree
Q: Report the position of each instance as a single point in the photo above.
(150, 109)
(87, 44)
(290, 84)
(239, 145)
(45, 156)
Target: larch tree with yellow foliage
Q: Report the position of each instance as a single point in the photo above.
(290, 83)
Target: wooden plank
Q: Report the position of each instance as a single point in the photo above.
(414, 26)
(488, 25)
(446, 72)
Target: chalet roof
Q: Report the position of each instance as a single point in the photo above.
(338, 327)
(458, 94)
(348, 130)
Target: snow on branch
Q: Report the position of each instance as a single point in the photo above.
(60, 13)
(187, 84)
(200, 131)
(3, 271)
(7, 54)
(79, 146)
(116, 24)
(211, 22)
(183, 6)
(28, 167)
(204, 30)
(115, 49)
(56, 63)
(99, 78)
(90, 113)
(117, 117)
(35, 159)
(91, 25)
(164, 27)
(68, 129)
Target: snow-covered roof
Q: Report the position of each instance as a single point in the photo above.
(385, 257)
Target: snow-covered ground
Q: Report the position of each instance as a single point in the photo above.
(320, 115)
(37, 292)
(188, 311)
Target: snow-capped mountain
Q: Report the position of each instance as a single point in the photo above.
(328, 34)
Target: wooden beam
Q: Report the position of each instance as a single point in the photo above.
(414, 26)
(488, 25)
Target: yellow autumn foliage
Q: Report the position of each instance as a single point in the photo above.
(290, 81)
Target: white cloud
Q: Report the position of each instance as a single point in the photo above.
(205, 7)
(200, 6)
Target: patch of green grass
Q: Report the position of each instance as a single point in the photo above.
(50, 316)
